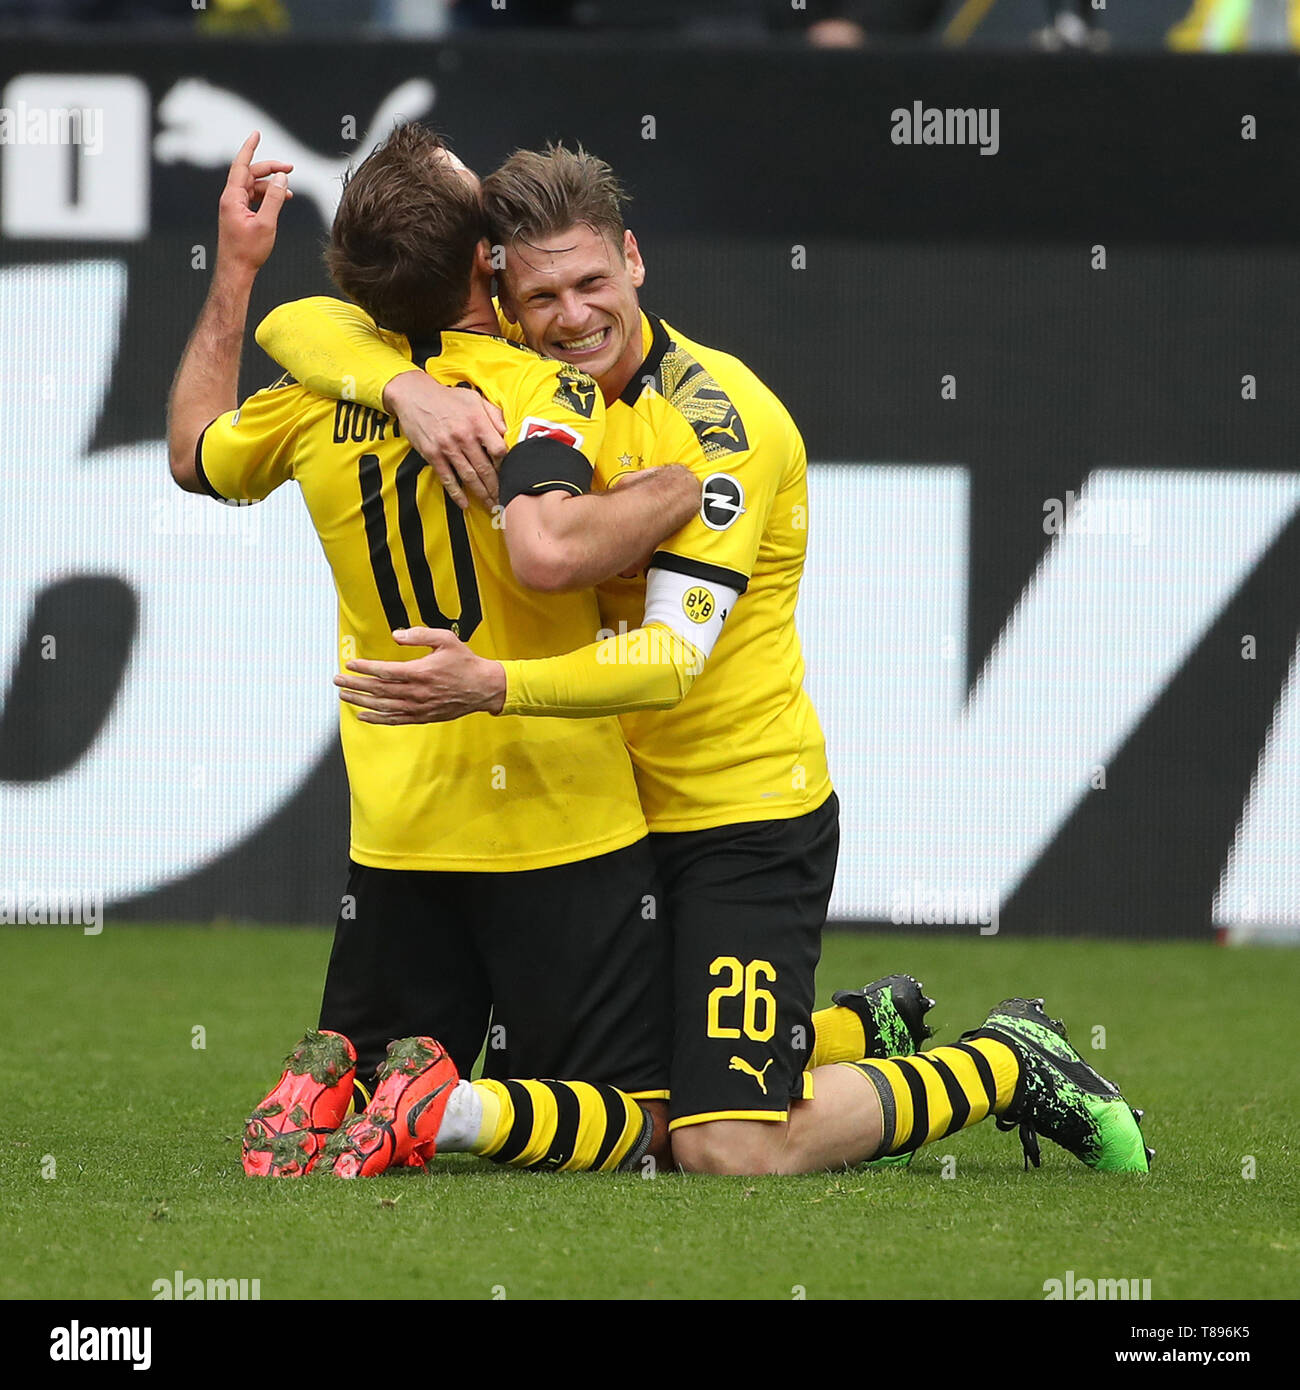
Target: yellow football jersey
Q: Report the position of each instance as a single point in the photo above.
(479, 793)
(745, 743)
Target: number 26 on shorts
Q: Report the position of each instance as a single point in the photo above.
(758, 1011)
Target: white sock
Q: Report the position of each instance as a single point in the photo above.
(461, 1121)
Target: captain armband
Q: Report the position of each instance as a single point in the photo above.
(693, 608)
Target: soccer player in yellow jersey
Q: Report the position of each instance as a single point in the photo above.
(500, 867)
(706, 671)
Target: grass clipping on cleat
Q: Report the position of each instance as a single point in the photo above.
(318, 1055)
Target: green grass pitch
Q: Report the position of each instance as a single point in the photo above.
(122, 1164)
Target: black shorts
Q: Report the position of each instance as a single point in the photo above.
(563, 970)
(746, 905)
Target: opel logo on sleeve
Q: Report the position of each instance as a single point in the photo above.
(723, 502)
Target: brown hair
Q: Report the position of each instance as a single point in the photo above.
(403, 240)
(537, 193)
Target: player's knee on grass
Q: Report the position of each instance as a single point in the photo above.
(741, 1148)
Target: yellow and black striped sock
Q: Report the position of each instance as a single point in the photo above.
(936, 1093)
(572, 1126)
(838, 1036)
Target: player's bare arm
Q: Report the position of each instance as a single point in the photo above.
(560, 541)
(207, 380)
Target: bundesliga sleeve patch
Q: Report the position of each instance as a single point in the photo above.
(534, 427)
(723, 501)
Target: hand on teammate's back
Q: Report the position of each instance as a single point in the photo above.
(458, 433)
(449, 682)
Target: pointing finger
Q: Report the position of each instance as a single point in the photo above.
(239, 165)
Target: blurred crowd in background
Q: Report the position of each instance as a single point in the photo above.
(1089, 25)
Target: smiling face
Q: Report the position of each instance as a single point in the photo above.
(575, 297)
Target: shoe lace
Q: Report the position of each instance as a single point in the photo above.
(1028, 1139)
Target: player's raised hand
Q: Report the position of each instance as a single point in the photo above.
(447, 683)
(457, 432)
(246, 233)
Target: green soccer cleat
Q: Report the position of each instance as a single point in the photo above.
(1059, 1095)
(891, 1160)
(893, 1013)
